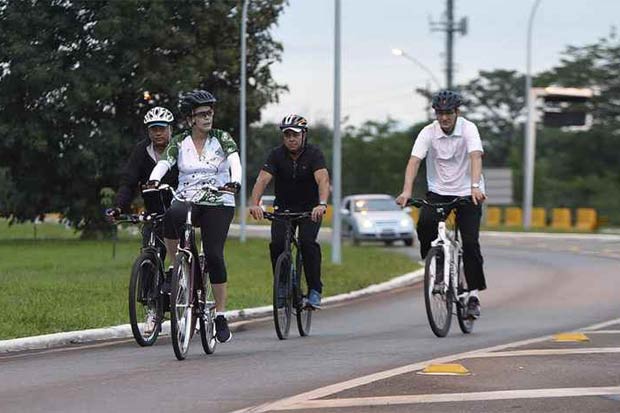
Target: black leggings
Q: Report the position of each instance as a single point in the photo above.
(310, 249)
(214, 222)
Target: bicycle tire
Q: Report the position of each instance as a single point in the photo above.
(303, 313)
(466, 322)
(145, 269)
(182, 317)
(438, 305)
(207, 318)
(282, 306)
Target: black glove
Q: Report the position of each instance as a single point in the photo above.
(233, 187)
(150, 184)
(112, 213)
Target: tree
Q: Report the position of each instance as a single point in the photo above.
(73, 77)
(495, 102)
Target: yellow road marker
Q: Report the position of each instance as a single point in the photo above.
(448, 369)
(570, 337)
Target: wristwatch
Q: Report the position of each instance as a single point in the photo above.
(475, 185)
(323, 204)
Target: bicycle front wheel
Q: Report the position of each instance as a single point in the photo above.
(282, 296)
(303, 312)
(438, 303)
(182, 320)
(145, 301)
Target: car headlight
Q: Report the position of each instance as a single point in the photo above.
(366, 223)
(405, 222)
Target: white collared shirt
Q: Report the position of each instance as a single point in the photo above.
(448, 167)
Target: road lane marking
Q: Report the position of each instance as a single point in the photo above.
(549, 352)
(455, 397)
(604, 332)
(360, 381)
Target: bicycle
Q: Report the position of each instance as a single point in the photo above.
(147, 300)
(192, 299)
(289, 283)
(445, 255)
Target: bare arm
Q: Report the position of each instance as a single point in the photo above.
(410, 174)
(475, 158)
(262, 181)
(321, 177)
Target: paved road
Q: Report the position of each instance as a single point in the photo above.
(533, 292)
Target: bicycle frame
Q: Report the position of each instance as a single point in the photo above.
(452, 251)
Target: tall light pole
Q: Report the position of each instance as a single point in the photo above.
(336, 174)
(402, 53)
(242, 122)
(530, 128)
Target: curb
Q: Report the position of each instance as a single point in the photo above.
(49, 341)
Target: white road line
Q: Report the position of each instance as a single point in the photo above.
(604, 332)
(455, 397)
(550, 352)
(360, 381)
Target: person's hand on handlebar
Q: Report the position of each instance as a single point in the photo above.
(151, 185)
(477, 196)
(112, 214)
(402, 199)
(318, 212)
(256, 212)
(232, 187)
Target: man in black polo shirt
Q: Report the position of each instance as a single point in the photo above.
(301, 184)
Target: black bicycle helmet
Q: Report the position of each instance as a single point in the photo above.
(194, 99)
(447, 100)
(294, 122)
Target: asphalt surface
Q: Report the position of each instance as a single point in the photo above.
(534, 290)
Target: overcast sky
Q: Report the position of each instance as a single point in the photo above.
(377, 84)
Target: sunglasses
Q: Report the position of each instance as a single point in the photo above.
(205, 114)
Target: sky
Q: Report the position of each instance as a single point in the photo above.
(376, 85)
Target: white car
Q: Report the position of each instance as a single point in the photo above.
(376, 217)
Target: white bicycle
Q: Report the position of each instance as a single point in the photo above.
(444, 261)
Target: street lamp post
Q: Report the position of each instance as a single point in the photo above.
(242, 122)
(530, 128)
(400, 52)
(337, 155)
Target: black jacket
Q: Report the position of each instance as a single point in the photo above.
(137, 172)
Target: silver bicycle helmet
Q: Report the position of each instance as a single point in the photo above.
(158, 116)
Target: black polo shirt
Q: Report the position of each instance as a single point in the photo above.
(295, 186)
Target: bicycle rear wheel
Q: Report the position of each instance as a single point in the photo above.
(145, 301)
(207, 319)
(282, 296)
(303, 312)
(438, 304)
(466, 322)
(182, 317)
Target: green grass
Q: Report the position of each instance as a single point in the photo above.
(63, 284)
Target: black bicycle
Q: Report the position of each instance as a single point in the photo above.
(147, 300)
(290, 286)
(444, 261)
(192, 294)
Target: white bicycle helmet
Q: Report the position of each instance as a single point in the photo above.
(158, 116)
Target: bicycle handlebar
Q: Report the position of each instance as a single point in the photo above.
(286, 216)
(137, 218)
(419, 202)
(207, 189)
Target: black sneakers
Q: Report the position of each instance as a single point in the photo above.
(222, 333)
(473, 307)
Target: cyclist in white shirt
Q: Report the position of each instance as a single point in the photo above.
(205, 157)
(453, 152)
